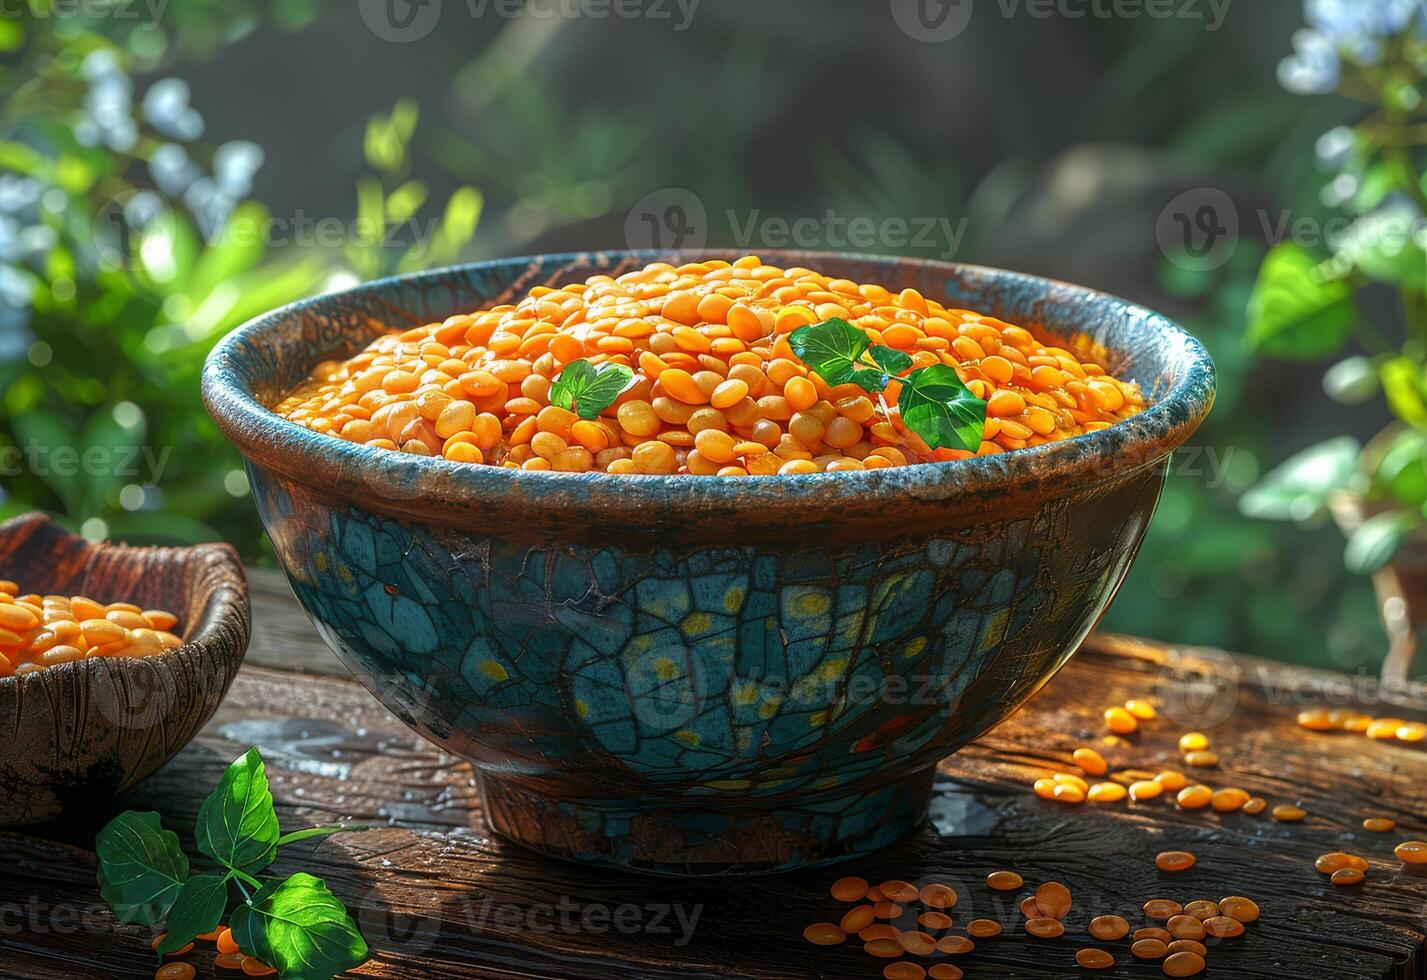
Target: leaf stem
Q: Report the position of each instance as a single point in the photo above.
(298, 835)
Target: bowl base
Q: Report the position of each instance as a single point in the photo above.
(697, 838)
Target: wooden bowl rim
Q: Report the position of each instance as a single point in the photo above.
(224, 603)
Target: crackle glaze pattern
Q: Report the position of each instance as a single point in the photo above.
(697, 676)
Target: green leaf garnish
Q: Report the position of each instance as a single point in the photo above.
(889, 359)
(198, 909)
(237, 825)
(588, 389)
(831, 348)
(296, 925)
(937, 406)
(299, 927)
(141, 867)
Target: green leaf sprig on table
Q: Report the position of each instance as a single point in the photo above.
(588, 389)
(934, 403)
(295, 924)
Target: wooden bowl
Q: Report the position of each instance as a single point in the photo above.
(80, 732)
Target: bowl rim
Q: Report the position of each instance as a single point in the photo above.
(227, 606)
(310, 458)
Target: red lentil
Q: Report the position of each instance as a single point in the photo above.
(1044, 927)
(824, 934)
(1337, 860)
(1173, 861)
(1223, 926)
(935, 920)
(1346, 876)
(1193, 742)
(1187, 946)
(1108, 927)
(1202, 909)
(945, 971)
(1106, 793)
(175, 971)
(229, 961)
(1149, 949)
(1053, 899)
(1183, 964)
(1172, 780)
(954, 945)
(1004, 881)
(1161, 908)
(902, 970)
(1092, 762)
(1152, 932)
(1142, 710)
(898, 891)
(858, 917)
(710, 336)
(1145, 789)
(1254, 804)
(42, 631)
(1379, 825)
(1091, 958)
(887, 949)
(1238, 908)
(917, 943)
(254, 967)
(1185, 927)
(1120, 721)
(1411, 852)
(1201, 759)
(849, 889)
(1195, 797)
(983, 928)
(937, 896)
(1228, 799)
(1287, 813)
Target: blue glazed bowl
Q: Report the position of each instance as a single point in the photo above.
(692, 675)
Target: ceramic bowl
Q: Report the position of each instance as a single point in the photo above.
(694, 675)
(78, 733)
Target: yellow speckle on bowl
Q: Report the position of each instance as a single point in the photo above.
(666, 669)
(494, 670)
(812, 603)
(916, 646)
(733, 599)
(688, 737)
(832, 670)
(729, 784)
(582, 707)
(744, 693)
(697, 623)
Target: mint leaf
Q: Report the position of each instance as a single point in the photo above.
(889, 359)
(141, 867)
(832, 349)
(237, 825)
(198, 909)
(938, 407)
(1296, 309)
(299, 927)
(588, 389)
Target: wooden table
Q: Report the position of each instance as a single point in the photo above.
(437, 897)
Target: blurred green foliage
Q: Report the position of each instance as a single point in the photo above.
(130, 247)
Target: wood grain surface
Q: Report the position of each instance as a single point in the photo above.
(437, 897)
